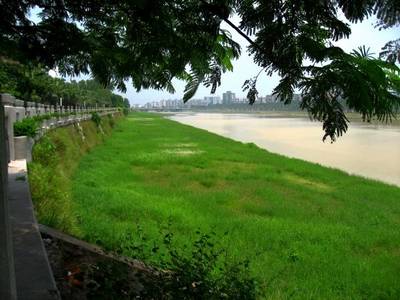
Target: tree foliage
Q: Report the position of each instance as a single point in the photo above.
(32, 83)
(151, 42)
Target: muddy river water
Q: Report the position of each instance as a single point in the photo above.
(368, 150)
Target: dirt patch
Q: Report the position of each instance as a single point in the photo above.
(307, 183)
(85, 271)
(180, 145)
(182, 151)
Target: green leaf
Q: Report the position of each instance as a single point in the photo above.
(192, 86)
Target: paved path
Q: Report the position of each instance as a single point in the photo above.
(34, 277)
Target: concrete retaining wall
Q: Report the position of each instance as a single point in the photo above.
(23, 148)
(7, 272)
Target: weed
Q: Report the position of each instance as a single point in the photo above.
(125, 111)
(200, 270)
(26, 127)
(44, 151)
(54, 158)
(96, 118)
(111, 120)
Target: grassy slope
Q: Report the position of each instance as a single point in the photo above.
(55, 158)
(310, 231)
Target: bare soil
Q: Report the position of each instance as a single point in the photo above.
(84, 271)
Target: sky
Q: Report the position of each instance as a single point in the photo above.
(244, 68)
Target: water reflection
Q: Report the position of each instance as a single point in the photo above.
(368, 150)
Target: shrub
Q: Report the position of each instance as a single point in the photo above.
(201, 270)
(54, 158)
(52, 204)
(96, 118)
(125, 111)
(41, 118)
(111, 120)
(44, 152)
(46, 117)
(27, 126)
(37, 119)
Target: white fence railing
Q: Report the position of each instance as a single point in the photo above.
(56, 116)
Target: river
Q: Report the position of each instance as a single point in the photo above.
(368, 150)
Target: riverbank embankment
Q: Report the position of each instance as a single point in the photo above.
(308, 230)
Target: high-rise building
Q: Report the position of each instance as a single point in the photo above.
(228, 97)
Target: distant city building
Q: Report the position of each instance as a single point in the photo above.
(199, 102)
(241, 100)
(212, 100)
(269, 102)
(228, 97)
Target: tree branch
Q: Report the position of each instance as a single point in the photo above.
(237, 29)
(241, 33)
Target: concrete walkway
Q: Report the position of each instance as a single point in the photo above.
(34, 277)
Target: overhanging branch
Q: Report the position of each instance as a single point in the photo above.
(237, 29)
(212, 9)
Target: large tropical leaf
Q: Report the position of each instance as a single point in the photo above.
(194, 81)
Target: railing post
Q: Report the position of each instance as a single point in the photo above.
(7, 272)
(11, 114)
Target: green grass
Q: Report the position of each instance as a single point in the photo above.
(55, 158)
(310, 232)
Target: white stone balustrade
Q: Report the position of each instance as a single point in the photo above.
(16, 110)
